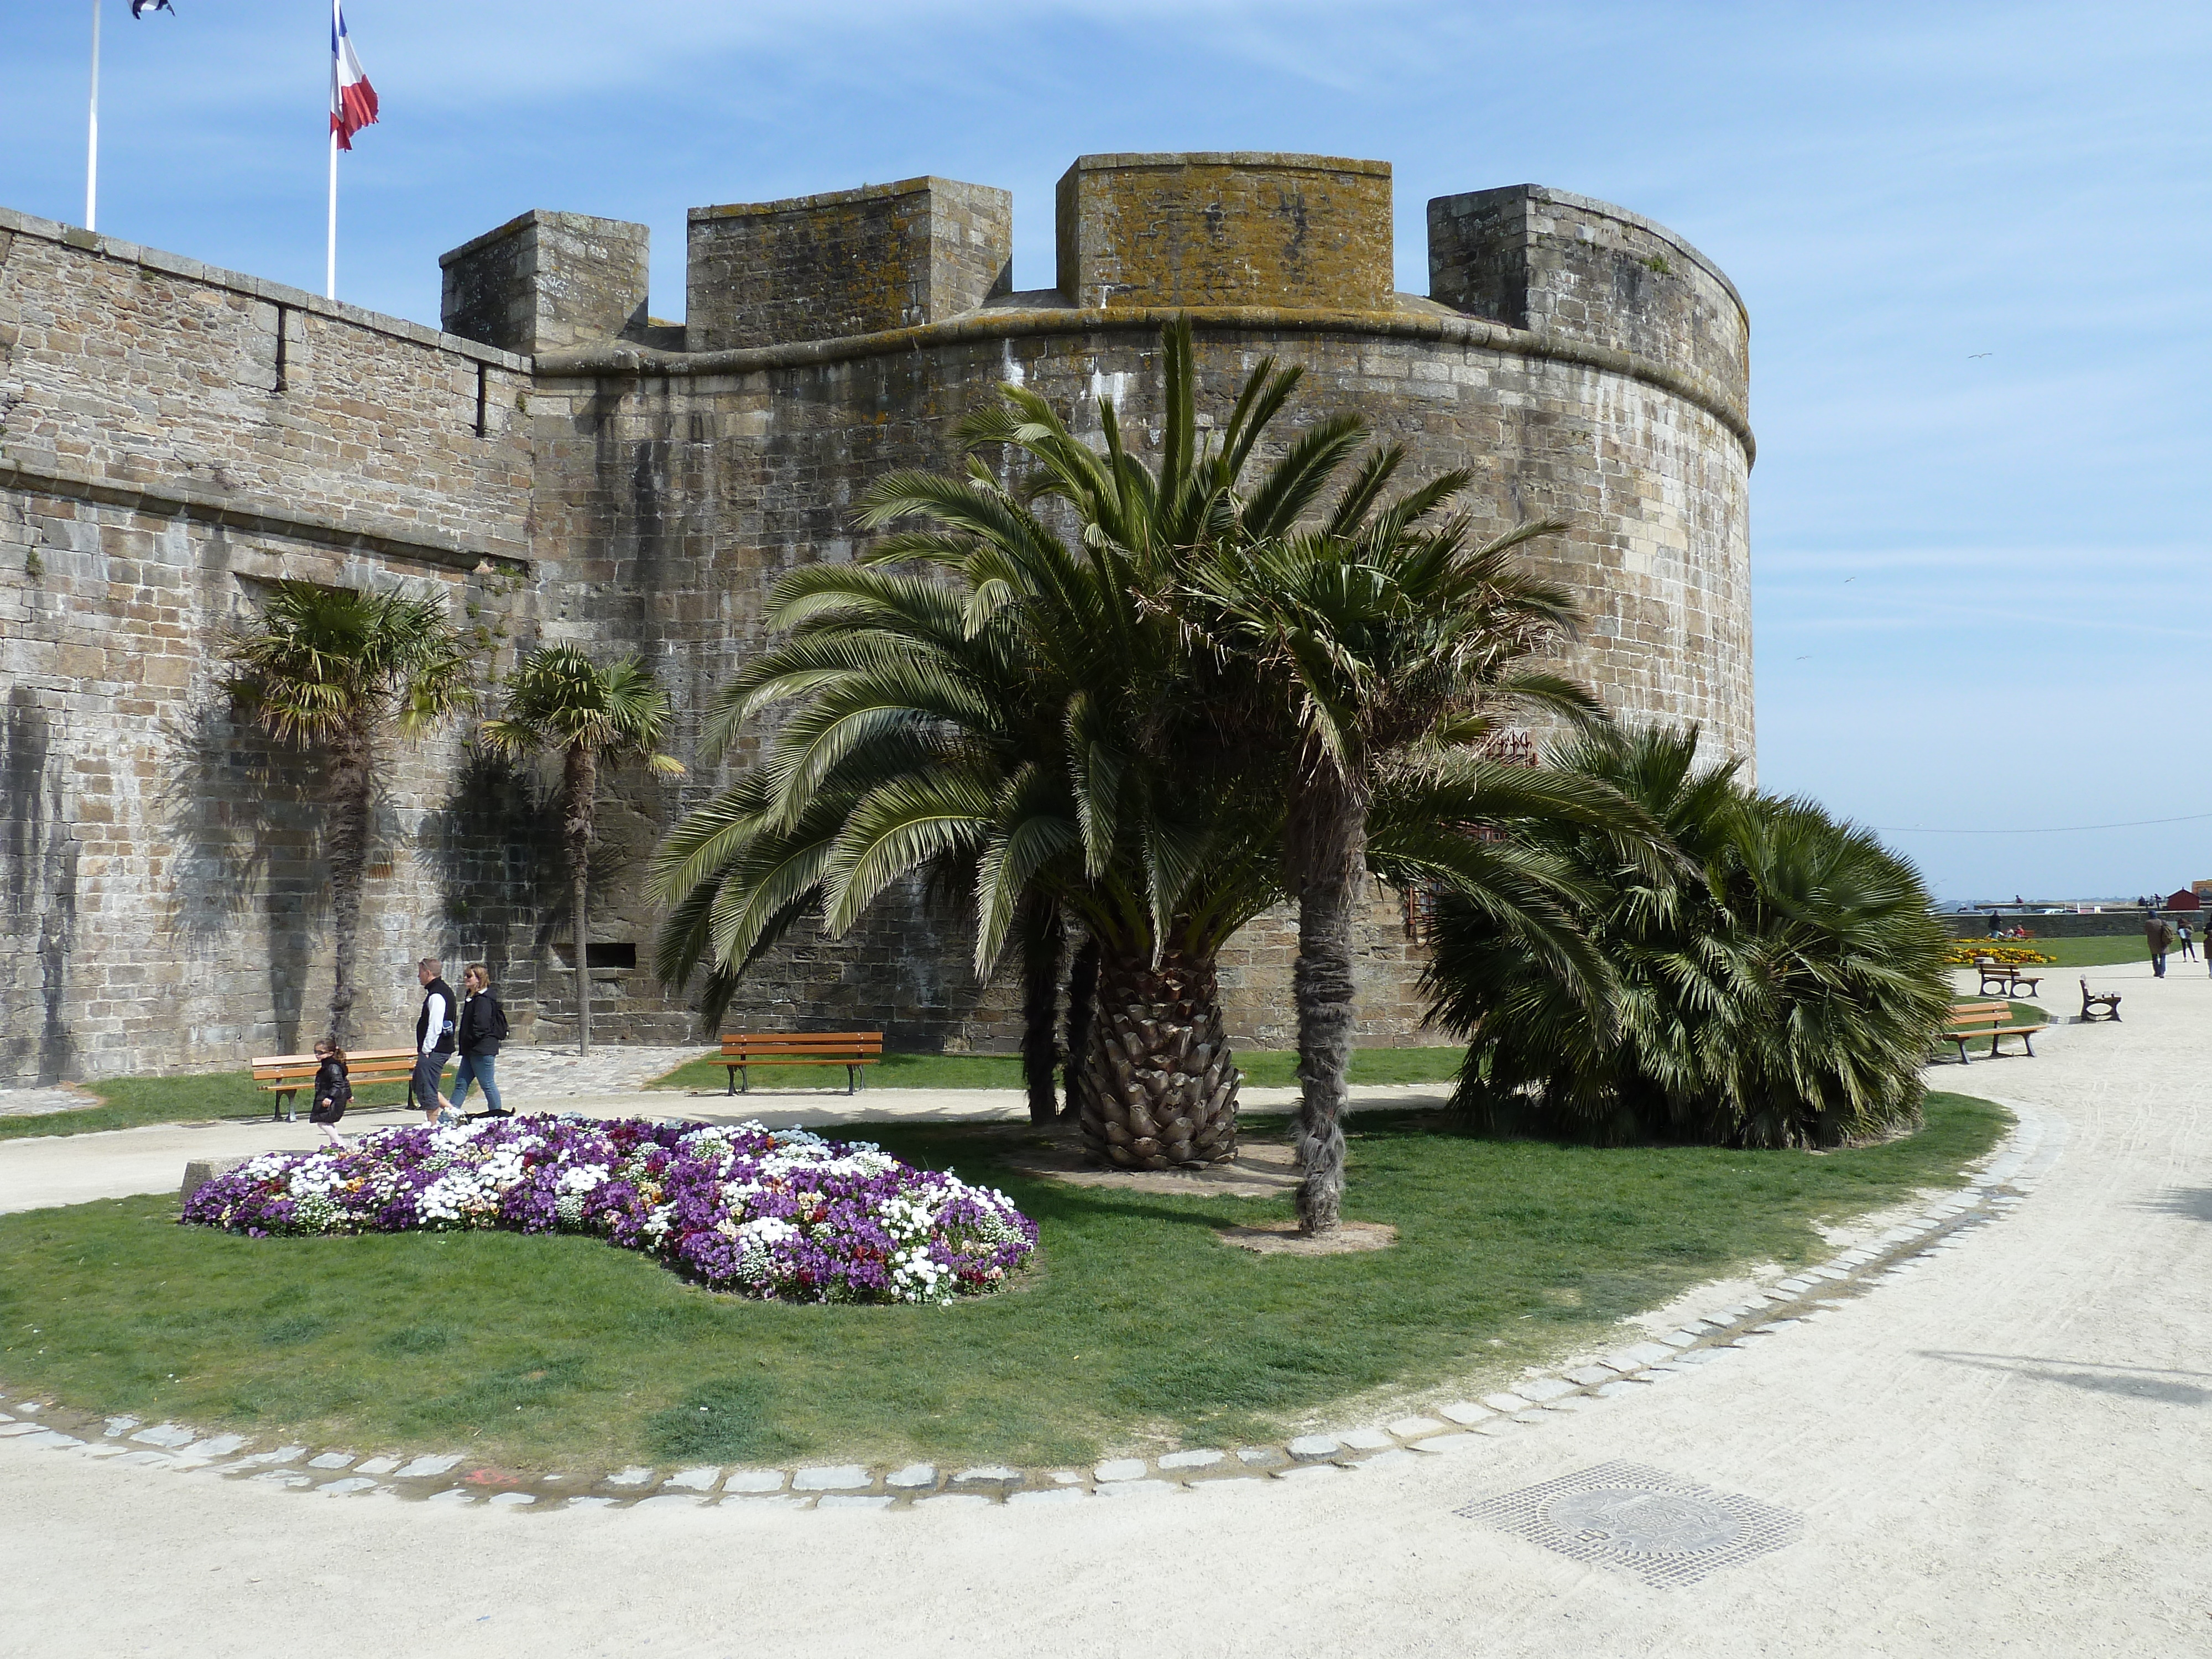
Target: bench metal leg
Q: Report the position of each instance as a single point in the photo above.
(732, 1070)
(852, 1080)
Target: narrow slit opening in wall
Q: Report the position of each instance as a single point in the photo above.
(483, 390)
(283, 360)
(598, 955)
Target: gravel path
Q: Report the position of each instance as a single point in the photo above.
(38, 1102)
(1997, 1451)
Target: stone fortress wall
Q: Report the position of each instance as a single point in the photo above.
(172, 436)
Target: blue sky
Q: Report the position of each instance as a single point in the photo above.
(1974, 241)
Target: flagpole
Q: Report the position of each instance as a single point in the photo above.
(331, 266)
(92, 134)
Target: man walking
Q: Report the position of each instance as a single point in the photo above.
(434, 1038)
(2159, 937)
(2188, 950)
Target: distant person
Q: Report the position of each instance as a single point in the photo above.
(482, 1028)
(1994, 923)
(333, 1093)
(2159, 937)
(433, 1042)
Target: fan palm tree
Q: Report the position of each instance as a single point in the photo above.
(559, 699)
(344, 673)
(1381, 643)
(1779, 976)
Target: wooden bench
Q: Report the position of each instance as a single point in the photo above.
(2108, 1001)
(1971, 1021)
(285, 1075)
(853, 1050)
(2009, 978)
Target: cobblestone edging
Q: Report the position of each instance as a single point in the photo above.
(1453, 1427)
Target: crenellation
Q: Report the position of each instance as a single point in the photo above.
(849, 262)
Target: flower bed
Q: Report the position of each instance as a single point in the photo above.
(1962, 953)
(781, 1215)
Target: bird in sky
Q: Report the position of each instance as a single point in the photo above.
(1972, 355)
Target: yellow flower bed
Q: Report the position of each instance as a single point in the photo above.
(1964, 950)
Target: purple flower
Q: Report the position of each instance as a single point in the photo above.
(778, 1215)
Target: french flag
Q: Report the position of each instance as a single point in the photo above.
(352, 100)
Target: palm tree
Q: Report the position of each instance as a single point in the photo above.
(558, 698)
(1380, 644)
(1013, 707)
(1777, 975)
(343, 672)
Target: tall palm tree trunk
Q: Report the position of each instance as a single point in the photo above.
(1043, 943)
(1327, 838)
(1082, 1004)
(579, 785)
(1159, 1085)
(346, 845)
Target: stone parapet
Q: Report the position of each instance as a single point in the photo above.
(1231, 229)
(1568, 268)
(849, 262)
(158, 262)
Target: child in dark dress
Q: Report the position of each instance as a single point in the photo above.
(333, 1093)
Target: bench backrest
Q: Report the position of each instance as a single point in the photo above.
(377, 1063)
(845, 1048)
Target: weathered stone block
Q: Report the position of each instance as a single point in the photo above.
(544, 280)
(201, 1170)
(848, 262)
(1565, 266)
(1233, 228)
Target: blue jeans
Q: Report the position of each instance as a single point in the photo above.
(477, 1068)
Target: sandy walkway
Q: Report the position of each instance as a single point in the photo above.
(2003, 1453)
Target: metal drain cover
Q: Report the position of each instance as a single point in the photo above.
(1664, 1530)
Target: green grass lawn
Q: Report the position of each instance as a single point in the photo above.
(1137, 1326)
(1262, 1067)
(2101, 952)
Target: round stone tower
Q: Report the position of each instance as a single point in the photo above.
(1585, 363)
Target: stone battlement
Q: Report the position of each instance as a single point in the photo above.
(1199, 231)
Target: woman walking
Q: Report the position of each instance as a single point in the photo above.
(482, 1028)
(333, 1093)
